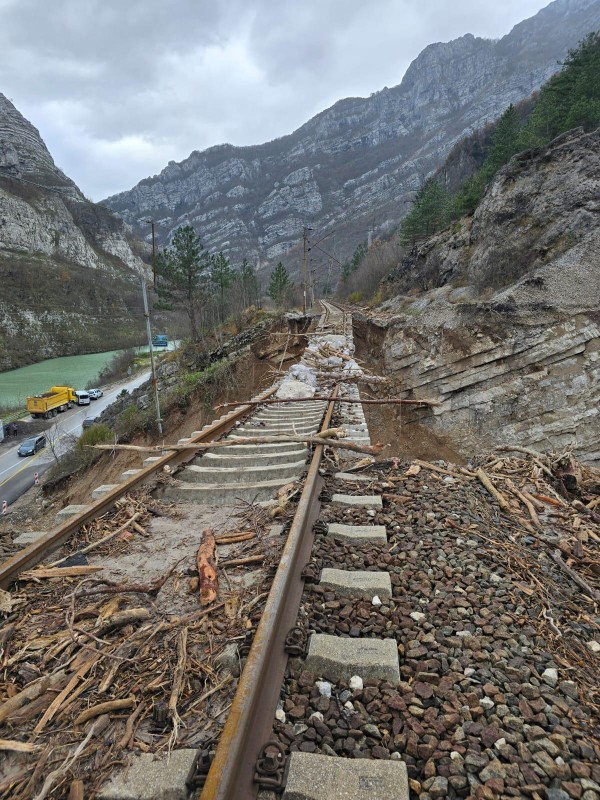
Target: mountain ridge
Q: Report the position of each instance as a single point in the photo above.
(67, 265)
(359, 160)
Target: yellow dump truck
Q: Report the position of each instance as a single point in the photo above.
(48, 404)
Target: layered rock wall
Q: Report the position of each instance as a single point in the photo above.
(69, 272)
(519, 364)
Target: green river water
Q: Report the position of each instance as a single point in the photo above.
(75, 371)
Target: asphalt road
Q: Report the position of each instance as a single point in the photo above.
(17, 473)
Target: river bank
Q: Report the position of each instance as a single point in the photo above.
(76, 371)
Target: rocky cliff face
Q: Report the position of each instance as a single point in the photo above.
(519, 364)
(68, 269)
(360, 159)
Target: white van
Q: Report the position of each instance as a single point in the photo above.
(83, 398)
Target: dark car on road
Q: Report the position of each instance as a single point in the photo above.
(31, 445)
(89, 421)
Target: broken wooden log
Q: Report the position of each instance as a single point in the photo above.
(391, 401)
(58, 572)
(120, 619)
(575, 576)
(179, 674)
(17, 747)
(234, 538)
(31, 692)
(103, 708)
(373, 449)
(207, 569)
(101, 541)
(501, 500)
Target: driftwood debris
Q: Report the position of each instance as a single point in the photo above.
(58, 572)
(234, 538)
(122, 618)
(103, 708)
(178, 676)
(389, 401)
(207, 568)
(31, 692)
(76, 790)
(17, 747)
(502, 501)
(101, 541)
(374, 449)
(589, 590)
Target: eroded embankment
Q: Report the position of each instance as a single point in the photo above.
(401, 430)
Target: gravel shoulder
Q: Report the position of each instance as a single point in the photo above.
(499, 648)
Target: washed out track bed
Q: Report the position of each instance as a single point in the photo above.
(479, 588)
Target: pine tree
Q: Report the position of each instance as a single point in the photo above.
(182, 268)
(248, 283)
(279, 284)
(351, 266)
(428, 213)
(222, 276)
(505, 141)
(570, 98)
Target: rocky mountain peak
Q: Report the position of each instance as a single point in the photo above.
(354, 165)
(64, 262)
(22, 150)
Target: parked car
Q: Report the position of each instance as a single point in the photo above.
(82, 398)
(89, 421)
(30, 446)
(95, 394)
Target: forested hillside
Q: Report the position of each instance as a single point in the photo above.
(570, 99)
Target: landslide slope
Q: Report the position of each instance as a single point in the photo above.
(508, 340)
(360, 159)
(68, 267)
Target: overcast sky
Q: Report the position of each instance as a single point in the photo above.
(118, 88)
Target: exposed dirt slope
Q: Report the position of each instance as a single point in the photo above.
(518, 364)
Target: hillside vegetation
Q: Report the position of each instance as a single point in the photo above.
(570, 99)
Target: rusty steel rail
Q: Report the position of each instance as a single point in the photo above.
(12, 567)
(250, 720)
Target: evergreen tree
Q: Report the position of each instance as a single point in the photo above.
(222, 276)
(182, 268)
(248, 283)
(428, 213)
(504, 143)
(351, 266)
(570, 98)
(279, 284)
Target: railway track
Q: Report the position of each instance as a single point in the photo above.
(248, 755)
(372, 665)
(250, 473)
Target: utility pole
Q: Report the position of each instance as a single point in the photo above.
(151, 222)
(152, 363)
(305, 281)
